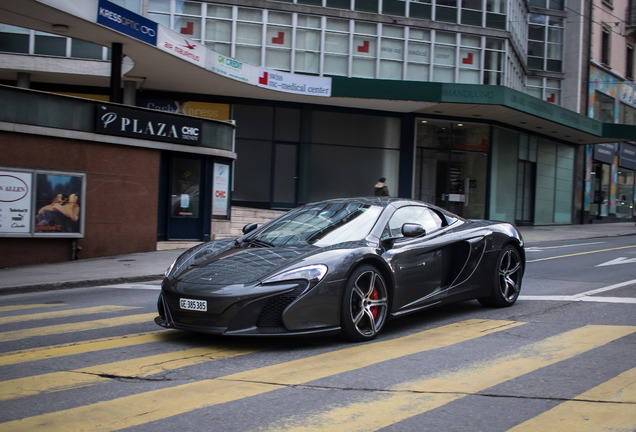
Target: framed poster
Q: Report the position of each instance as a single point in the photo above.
(59, 204)
(15, 203)
(221, 191)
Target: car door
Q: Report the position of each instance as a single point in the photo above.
(423, 267)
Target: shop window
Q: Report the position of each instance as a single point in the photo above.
(86, 50)
(600, 190)
(624, 193)
(14, 39)
(47, 44)
(627, 115)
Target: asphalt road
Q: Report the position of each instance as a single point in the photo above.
(563, 358)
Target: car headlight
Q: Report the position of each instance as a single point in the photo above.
(311, 273)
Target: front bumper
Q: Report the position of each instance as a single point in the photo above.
(265, 312)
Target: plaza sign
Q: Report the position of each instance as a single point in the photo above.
(115, 120)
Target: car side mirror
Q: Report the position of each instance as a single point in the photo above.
(413, 230)
(249, 228)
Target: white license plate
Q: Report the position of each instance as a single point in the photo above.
(195, 305)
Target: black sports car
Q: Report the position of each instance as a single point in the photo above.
(343, 265)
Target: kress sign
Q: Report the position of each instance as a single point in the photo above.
(112, 120)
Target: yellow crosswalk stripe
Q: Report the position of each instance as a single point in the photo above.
(76, 327)
(159, 404)
(134, 368)
(31, 306)
(610, 406)
(64, 313)
(425, 394)
(74, 348)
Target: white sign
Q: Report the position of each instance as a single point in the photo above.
(15, 202)
(221, 188)
(294, 83)
(180, 46)
(232, 68)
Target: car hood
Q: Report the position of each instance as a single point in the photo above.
(241, 265)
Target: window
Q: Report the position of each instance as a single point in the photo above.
(605, 45)
(629, 63)
(419, 55)
(603, 107)
(545, 43)
(424, 216)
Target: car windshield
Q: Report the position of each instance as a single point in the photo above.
(320, 225)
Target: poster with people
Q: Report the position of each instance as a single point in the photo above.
(58, 203)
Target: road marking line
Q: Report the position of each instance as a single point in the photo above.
(63, 350)
(542, 248)
(580, 253)
(618, 300)
(159, 404)
(76, 327)
(134, 368)
(587, 295)
(31, 306)
(607, 288)
(606, 407)
(415, 397)
(65, 313)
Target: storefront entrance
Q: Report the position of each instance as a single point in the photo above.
(452, 165)
(186, 195)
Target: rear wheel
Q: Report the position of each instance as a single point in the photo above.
(365, 305)
(507, 279)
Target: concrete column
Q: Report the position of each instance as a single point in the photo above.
(24, 80)
(130, 93)
(115, 72)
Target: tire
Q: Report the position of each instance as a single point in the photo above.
(365, 305)
(507, 279)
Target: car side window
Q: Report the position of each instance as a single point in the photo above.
(424, 216)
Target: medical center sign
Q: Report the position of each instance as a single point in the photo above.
(124, 21)
(115, 120)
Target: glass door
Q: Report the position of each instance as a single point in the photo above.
(526, 175)
(285, 176)
(455, 181)
(184, 221)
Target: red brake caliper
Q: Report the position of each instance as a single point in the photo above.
(374, 296)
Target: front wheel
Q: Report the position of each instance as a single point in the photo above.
(365, 304)
(507, 279)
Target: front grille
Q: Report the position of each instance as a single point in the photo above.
(272, 313)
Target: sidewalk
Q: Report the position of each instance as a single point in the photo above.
(150, 266)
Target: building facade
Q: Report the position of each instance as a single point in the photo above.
(473, 105)
(610, 167)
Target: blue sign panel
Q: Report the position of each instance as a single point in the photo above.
(126, 22)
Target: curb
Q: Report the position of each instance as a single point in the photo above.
(22, 289)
